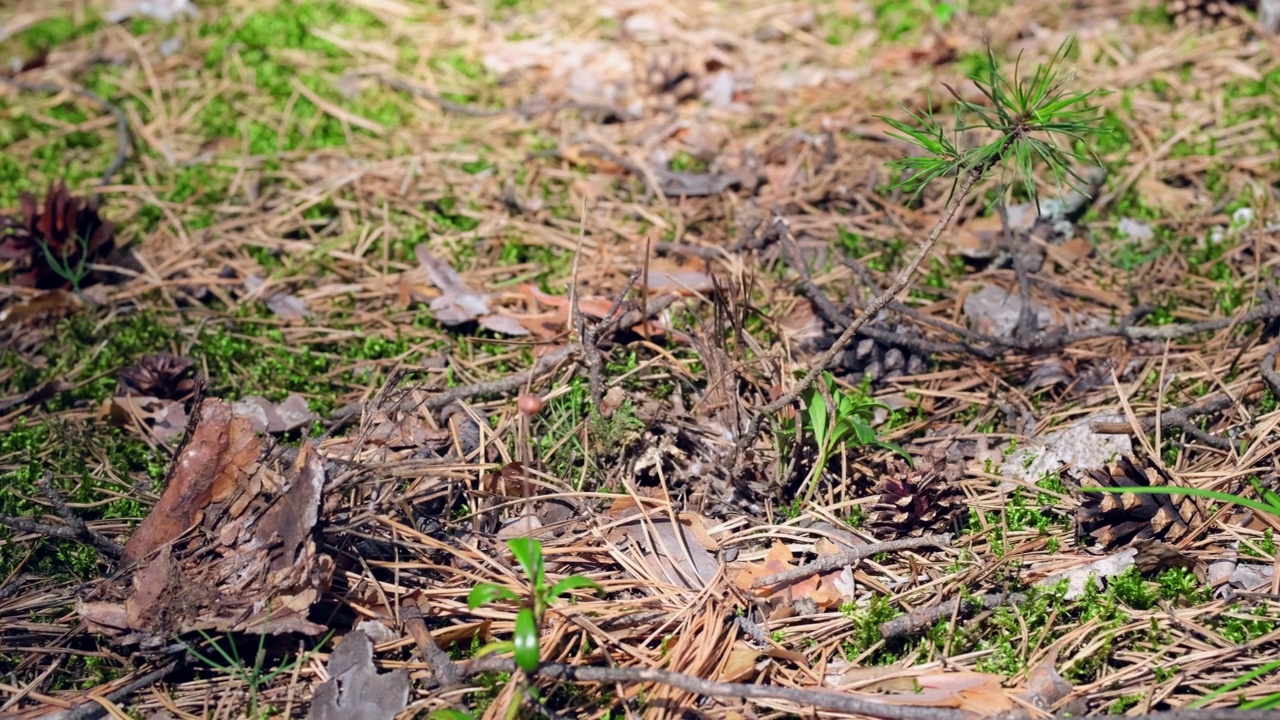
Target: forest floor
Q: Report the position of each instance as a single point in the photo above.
(382, 298)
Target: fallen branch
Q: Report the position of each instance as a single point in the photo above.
(1269, 368)
(819, 699)
(443, 669)
(92, 709)
(1183, 418)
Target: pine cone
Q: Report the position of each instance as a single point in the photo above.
(1205, 13)
(879, 361)
(913, 502)
(164, 376)
(65, 228)
(1114, 519)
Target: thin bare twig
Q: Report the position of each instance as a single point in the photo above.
(122, 122)
(75, 529)
(822, 699)
(922, 619)
(526, 109)
(505, 385)
(832, 562)
(833, 314)
(823, 361)
(443, 669)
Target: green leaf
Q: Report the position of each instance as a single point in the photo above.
(528, 553)
(502, 646)
(1268, 495)
(573, 582)
(894, 447)
(526, 641)
(818, 419)
(450, 714)
(865, 433)
(485, 593)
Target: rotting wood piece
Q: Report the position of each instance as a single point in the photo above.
(238, 556)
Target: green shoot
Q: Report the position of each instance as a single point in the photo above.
(1244, 680)
(525, 644)
(847, 424)
(73, 272)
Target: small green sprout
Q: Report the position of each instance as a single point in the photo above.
(525, 642)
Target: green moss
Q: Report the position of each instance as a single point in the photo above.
(53, 32)
(77, 469)
(866, 622)
(77, 157)
(260, 41)
(1240, 626)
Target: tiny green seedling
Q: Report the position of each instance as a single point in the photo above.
(524, 645)
(846, 424)
(73, 271)
(253, 677)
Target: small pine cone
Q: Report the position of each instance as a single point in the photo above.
(670, 79)
(62, 235)
(164, 376)
(1114, 519)
(1206, 13)
(915, 502)
(879, 361)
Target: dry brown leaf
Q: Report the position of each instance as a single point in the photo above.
(266, 416)
(740, 663)
(457, 303)
(685, 278)
(1173, 200)
(54, 301)
(165, 419)
(673, 552)
(976, 692)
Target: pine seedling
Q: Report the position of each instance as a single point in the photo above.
(1030, 117)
